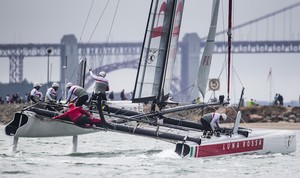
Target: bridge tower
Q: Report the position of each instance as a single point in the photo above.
(190, 59)
(69, 60)
(16, 68)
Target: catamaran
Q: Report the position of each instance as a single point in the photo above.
(152, 86)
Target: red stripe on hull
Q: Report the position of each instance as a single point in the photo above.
(229, 148)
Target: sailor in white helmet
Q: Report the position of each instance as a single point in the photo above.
(81, 96)
(210, 120)
(35, 94)
(51, 95)
(101, 85)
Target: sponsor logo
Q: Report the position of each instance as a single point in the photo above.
(243, 144)
(229, 148)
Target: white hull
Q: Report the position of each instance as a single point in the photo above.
(29, 124)
(258, 141)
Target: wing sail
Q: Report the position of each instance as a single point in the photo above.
(205, 62)
(159, 51)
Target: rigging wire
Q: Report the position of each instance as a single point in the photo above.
(80, 39)
(98, 21)
(94, 30)
(232, 68)
(190, 88)
(222, 70)
(84, 26)
(110, 30)
(225, 65)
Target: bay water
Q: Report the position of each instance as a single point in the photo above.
(109, 154)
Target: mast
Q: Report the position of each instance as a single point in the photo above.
(229, 33)
(81, 76)
(161, 91)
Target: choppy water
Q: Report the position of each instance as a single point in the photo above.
(107, 154)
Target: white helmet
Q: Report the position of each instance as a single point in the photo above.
(69, 85)
(55, 85)
(224, 116)
(102, 74)
(37, 84)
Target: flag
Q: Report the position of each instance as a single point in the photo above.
(270, 74)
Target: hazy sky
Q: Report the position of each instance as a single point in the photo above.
(38, 21)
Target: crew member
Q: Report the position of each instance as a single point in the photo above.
(51, 95)
(35, 94)
(101, 85)
(210, 120)
(79, 116)
(81, 96)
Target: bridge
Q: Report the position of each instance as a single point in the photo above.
(115, 56)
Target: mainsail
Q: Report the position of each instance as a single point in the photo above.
(158, 55)
(205, 63)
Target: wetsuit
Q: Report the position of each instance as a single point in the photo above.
(79, 116)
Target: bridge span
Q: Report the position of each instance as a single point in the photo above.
(115, 56)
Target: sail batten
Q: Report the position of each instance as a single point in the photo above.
(205, 62)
